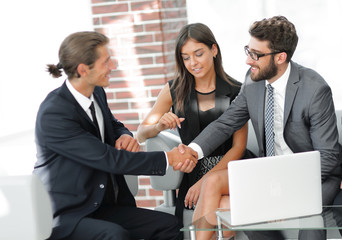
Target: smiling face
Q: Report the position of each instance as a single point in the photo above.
(265, 68)
(199, 59)
(99, 74)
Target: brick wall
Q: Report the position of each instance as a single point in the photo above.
(142, 34)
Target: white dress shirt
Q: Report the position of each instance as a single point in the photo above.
(279, 86)
(280, 146)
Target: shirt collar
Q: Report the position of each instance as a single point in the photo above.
(80, 98)
(281, 82)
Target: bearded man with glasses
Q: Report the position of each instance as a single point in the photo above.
(303, 116)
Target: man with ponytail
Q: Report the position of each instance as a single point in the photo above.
(83, 153)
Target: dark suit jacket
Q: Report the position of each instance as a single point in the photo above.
(74, 164)
(309, 118)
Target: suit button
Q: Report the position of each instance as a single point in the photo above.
(101, 186)
(96, 204)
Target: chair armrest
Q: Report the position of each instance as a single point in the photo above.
(132, 183)
(252, 142)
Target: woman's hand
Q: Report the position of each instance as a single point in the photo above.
(192, 195)
(169, 121)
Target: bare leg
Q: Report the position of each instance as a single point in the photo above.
(213, 187)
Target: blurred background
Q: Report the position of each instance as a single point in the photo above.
(142, 34)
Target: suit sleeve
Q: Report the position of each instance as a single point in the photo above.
(63, 136)
(323, 130)
(224, 127)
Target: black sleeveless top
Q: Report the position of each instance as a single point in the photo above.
(195, 121)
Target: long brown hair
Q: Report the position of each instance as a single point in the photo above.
(184, 79)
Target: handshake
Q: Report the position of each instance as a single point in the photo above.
(182, 158)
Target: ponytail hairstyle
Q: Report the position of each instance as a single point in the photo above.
(77, 48)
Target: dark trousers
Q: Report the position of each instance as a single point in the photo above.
(121, 223)
(330, 188)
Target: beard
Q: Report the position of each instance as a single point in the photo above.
(267, 73)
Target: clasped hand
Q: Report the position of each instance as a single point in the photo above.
(182, 158)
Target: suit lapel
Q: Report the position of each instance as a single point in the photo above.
(291, 91)
(260, 95)
(66, 94)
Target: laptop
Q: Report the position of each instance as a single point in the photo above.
(274, 188)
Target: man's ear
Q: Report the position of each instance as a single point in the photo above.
(281, 57)
(82, 69)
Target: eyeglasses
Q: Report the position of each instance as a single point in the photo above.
(255, 56)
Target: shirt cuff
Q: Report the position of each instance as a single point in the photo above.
(197, 148)
(167, 162)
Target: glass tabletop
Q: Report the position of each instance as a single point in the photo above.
(330, 218)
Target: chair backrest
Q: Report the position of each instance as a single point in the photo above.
(252, 143)
(132, 182)
(165, 141)
(25, 208)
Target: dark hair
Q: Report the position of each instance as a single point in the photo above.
(77, 48)
(280, 33)
(184, 79)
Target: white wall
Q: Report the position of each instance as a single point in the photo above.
(317, 23)
(31, 33)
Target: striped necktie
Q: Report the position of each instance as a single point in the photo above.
(269, 121)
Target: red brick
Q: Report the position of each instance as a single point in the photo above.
(153, 192)
(114, 8)
(145, 5)
(173, 4)
(159, 37)
(148, 16)
(168, 57)
(96, 21)
(169, 47)
(118, 84)
(118, 106)
(141, 192)
(127, 116)
(153, 71)
(178, 13)
(173, 25)
(155, 82)
(132, 94)
(126, 18)
(144, 181)
(131, 127)
(153, 27)
(102, 1)
(146, 203)
(119, 74)
(155, 92)
(149, 49)
(110, 95)
(138, 39)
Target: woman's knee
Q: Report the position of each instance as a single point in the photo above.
(215, 181)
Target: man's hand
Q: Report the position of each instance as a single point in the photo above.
(182, 158)
(128, 143)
